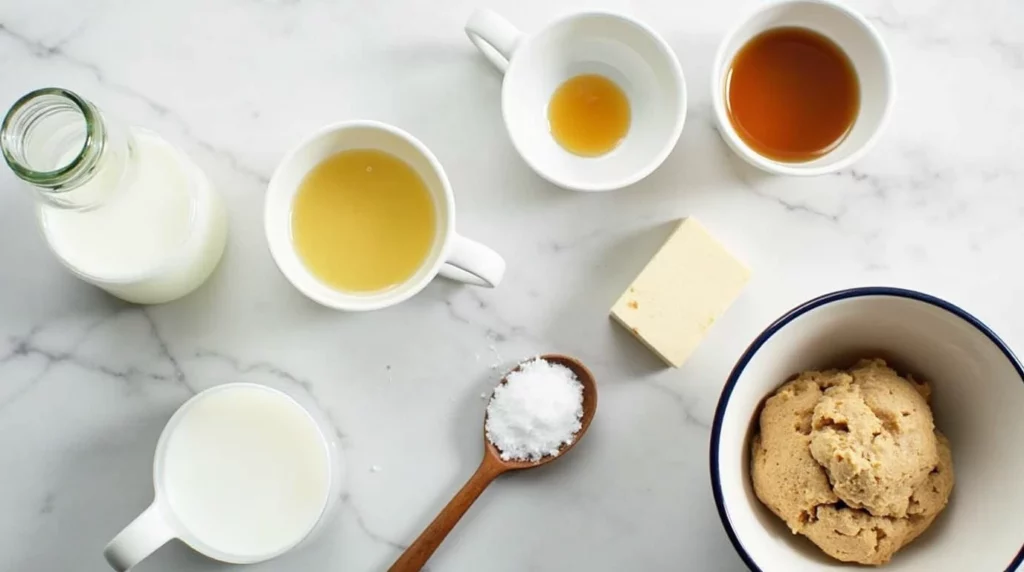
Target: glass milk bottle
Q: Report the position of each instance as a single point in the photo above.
(119, 206)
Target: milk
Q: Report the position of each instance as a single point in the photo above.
(119, 206)
(157, 233)
(246, 471)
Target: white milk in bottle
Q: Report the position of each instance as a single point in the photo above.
(120, 207)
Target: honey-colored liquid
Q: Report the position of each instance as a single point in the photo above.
(589, 115)
(793, 94)
(363, 221)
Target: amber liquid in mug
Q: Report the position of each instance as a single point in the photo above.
(589, 115)
(363, 221)
(792, 94)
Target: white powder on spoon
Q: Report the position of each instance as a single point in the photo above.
(535, 412)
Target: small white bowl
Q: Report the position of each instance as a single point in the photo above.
(618, 47)
(862, 44)
(978, 401)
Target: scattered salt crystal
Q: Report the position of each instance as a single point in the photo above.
(483, 396)
(497, 356)
(535, 412)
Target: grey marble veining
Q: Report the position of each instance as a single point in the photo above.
(86, 383)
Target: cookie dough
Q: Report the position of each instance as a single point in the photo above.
(851, 460)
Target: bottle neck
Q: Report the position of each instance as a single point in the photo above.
(63, 147)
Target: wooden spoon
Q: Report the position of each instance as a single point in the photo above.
(492, 465)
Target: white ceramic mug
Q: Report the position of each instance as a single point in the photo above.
(855, 36)
(452, 255)
(620, 48)
(242, 473)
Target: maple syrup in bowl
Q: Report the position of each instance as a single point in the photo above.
(802, 87)
(792, 94)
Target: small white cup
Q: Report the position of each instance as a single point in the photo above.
(862, 44)
(622, 49)
(174, 474)
(453, 256)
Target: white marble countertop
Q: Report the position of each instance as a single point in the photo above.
(86, 382)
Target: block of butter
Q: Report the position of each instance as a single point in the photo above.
(688, 284)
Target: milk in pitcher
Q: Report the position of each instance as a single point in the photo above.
(121, 207)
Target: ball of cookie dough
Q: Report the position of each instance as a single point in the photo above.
(851, 460)
(786, 477)
(875, 437)
(854, 535)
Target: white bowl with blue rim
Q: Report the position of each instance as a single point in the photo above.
(977, 399)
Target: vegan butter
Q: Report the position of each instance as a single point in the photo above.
(688, 284)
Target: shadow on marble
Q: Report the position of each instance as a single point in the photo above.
(466, 429)
(94, 492)
(587, 316)
(749, 174)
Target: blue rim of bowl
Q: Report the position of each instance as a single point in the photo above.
(741, 364)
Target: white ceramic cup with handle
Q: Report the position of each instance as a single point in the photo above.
(451, 254)
(861, 43)
(242, 473)
(618, 47)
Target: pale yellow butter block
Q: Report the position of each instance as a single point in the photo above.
(689, 284)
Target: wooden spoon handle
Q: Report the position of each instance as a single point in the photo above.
(421, 550)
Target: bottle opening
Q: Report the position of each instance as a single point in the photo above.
(48, 135)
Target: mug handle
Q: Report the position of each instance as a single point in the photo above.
(494, 36)
(139, 539)
(473, 263)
